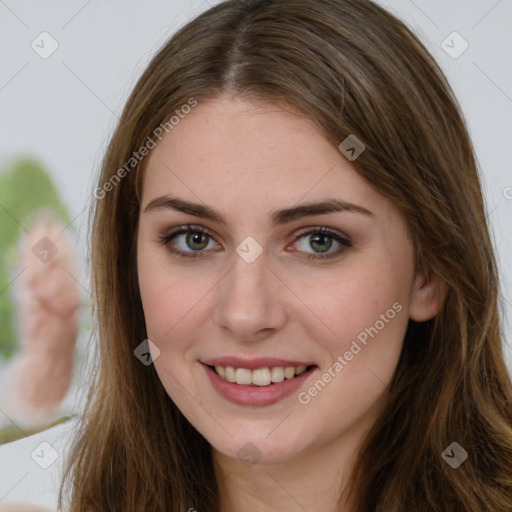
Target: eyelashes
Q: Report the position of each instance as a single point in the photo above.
(187, 230)
(322, 237)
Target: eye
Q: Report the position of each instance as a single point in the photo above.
(321, 240)
(192, 242)
(188, 241)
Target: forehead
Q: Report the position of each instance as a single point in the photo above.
(230, 151)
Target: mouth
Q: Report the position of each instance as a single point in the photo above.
(265, 382)
(260, 377)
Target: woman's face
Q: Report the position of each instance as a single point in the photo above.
(290, 260)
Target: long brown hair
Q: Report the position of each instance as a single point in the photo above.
(352, 68)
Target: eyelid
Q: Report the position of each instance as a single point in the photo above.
(340, 237)
(167, 237)
(337, 235)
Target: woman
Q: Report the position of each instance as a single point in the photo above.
(296, 293)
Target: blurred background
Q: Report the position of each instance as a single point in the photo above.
(67, 69)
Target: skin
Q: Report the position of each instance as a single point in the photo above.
(248, 160)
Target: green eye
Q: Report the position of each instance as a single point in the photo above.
(197, 240)
(188, 241)
(320, 242)
(316, 243)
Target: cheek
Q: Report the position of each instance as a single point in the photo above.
(174, 303)
(365, 311)
(170, 317)
(369, 319)
(167, 300)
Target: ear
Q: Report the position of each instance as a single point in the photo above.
(428, 297)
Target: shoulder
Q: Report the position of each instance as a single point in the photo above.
(31, 469)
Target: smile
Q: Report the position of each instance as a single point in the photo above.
(257, 382)
(260, 376)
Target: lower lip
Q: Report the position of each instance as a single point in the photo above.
(256, 395)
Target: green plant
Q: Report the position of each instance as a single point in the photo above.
(26, 192)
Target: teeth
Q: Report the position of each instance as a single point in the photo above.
(289, 372)
(260, 376)
(243, 376)
(230, 374)
(277, 374)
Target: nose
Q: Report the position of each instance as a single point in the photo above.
(250, 304)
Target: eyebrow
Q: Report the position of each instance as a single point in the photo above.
(279, 217)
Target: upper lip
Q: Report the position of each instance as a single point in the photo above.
(253, 364)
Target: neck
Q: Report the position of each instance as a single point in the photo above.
(312, 480)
